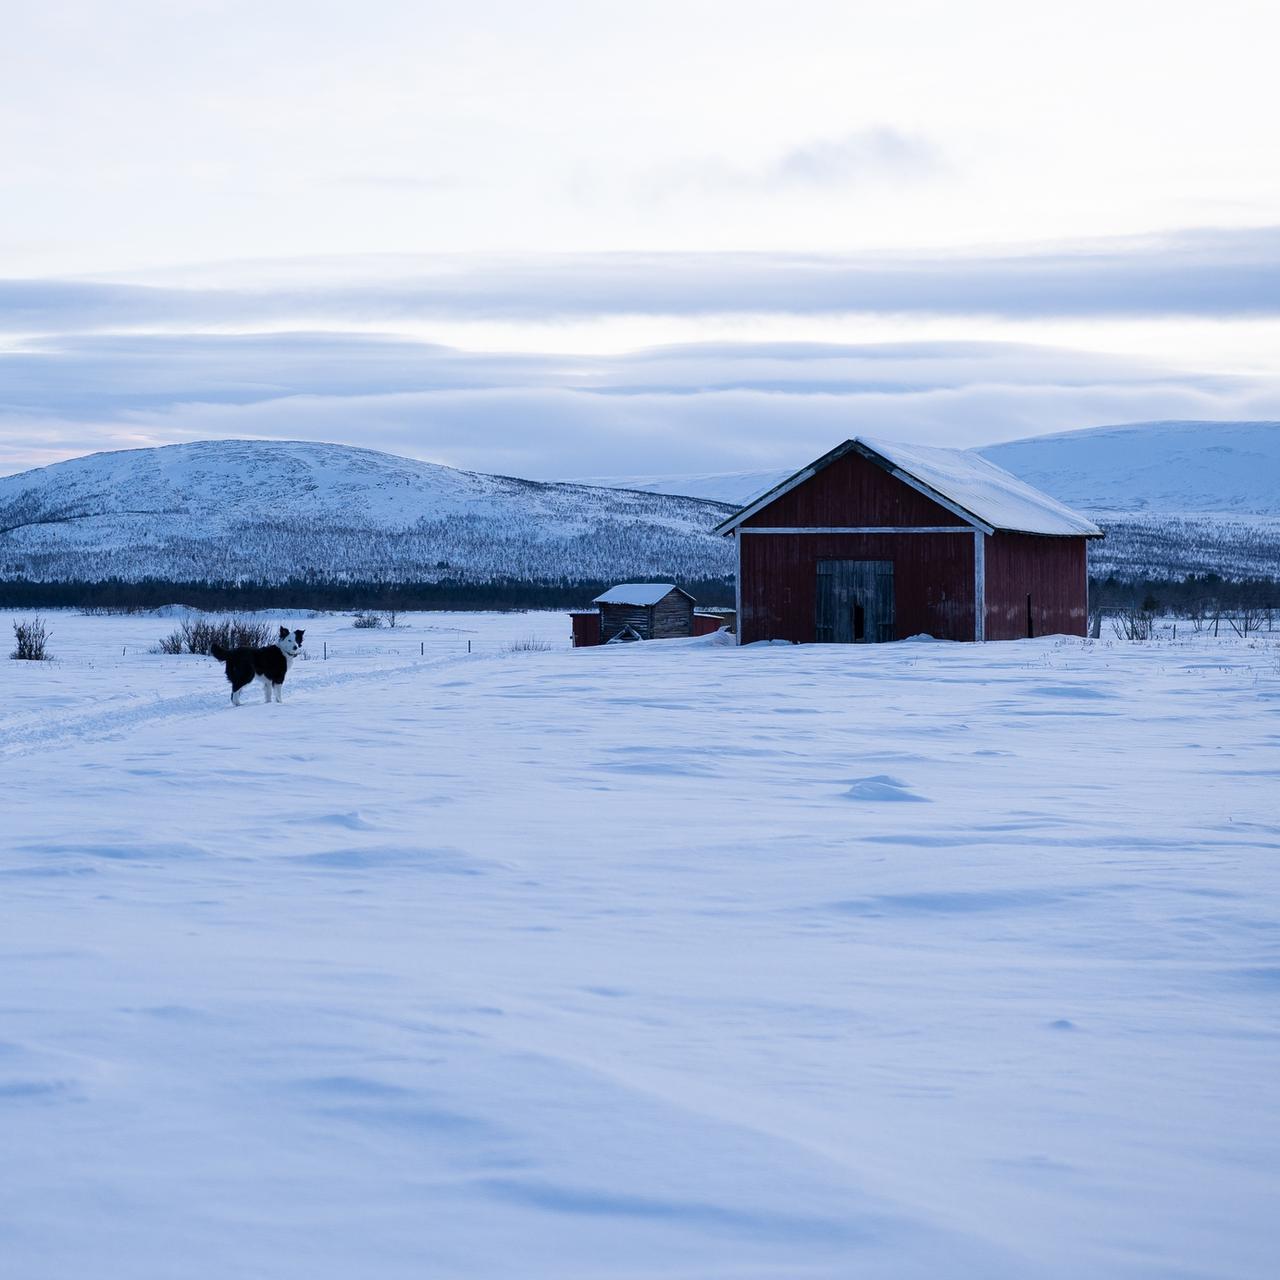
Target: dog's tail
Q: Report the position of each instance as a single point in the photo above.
(219, 652)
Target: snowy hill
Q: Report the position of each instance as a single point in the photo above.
(734, 487)
(1168, 467)
(1174, 497)
(240, 510)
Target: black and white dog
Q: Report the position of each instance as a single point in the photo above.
(269, 664)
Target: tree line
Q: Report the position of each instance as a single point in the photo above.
(1189, 596)
(119, 594)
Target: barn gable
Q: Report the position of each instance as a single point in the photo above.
(851, 483)
(951, 486)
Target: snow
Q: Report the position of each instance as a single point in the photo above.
(962, 477)
(248, 479)
(984, 489)
(1178, 497)
(1173, 468)
(1174, 497)
(737, 488)
(1231, 545)
(227, 510)
(1168, 467)
(637, 593)
(926, 960)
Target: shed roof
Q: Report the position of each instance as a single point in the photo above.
(983, 494)
(638, 593)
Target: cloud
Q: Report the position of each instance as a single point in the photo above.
(694, 408)
(104, 374)
(1193, 273)
(861, 158)
(865, 155)
(393, 182)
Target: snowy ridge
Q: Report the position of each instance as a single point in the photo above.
(267, 511)
(984, 489)
(1166, 467)
(738, 488)
(1173, 497)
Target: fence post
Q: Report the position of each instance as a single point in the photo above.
(326, 651)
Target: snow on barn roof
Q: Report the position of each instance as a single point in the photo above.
(636, 593)
(985, 495)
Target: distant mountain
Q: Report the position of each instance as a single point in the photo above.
(734, 487)
(254, 510)
(1174, 497)
(1165, 467)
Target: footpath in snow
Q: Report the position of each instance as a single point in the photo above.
(669, 960)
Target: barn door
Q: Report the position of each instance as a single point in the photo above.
(854, 601)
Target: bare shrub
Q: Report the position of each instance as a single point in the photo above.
(200, 635)
(530, 644)
(1249, 617)
(1133, 624)
(31, 636)
(367, 620)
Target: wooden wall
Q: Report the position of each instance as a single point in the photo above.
(1052, 571)
(673, 616)
(853, 491)
(618, 617)
(933, 572)
(933, 581)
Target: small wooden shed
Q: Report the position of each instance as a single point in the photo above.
(645, 611)
(878, 541)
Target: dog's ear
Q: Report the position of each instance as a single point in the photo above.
(297, 635)
(284, 631)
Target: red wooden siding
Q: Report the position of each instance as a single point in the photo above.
(1052, 571)
(852, 491)
(933, 579)
(933, 573)
(586, 628)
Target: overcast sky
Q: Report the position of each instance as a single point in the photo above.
(598, 238)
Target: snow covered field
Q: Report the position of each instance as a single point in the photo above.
(672, 960)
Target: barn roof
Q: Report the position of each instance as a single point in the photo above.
(978, 491)
(638, 593)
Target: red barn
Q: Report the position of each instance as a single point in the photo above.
(877, 541)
